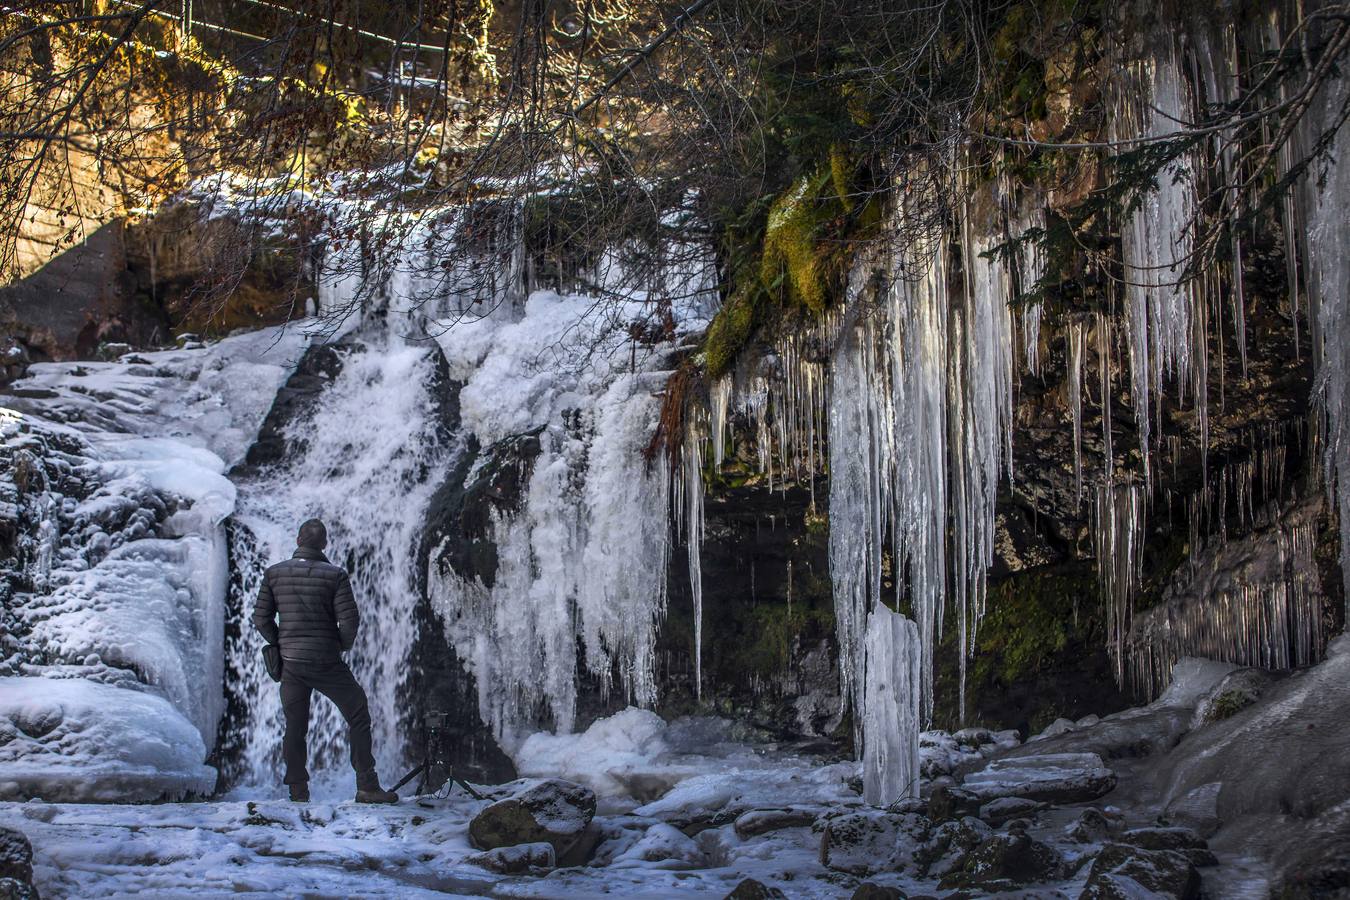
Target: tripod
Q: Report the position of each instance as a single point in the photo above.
(434, 767)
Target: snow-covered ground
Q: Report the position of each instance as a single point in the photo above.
(674, 801)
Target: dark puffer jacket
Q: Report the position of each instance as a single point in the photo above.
(314, 599)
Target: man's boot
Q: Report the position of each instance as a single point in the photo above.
(368, 790)
(300, 792)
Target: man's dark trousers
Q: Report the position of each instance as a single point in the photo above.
(334, 680)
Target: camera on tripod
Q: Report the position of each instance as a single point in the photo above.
(437, 767)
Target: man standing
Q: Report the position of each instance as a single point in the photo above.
(319, 620)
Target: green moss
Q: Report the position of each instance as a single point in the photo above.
(776, 629)
(1039, 654)
(1227, 705)
(795, 255)
(732, 328)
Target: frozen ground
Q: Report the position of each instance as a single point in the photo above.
(690, 809)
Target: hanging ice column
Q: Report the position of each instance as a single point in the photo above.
(891, 708)
(1327, 212)
(1165, 332)
(920, 399)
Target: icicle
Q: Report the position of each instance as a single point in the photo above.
(891, 704)
(693, 495)
(860, 471)
(1076, 340)
(1030, 270)
(718, 407)
(1104, 378)
(1161, 335)
(1118, 541)
(1239, 603)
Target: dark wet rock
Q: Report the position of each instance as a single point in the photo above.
(1006, 862)
(14, 360)
(520, 859)
(1183, 840)
(553, 811)
(1093, 827)
(1005, 809)
(911, 805)
(763, 821)
(16, 855)
(948, 845)
(948, 803)
(1321, 869)
(869, 891)
(14, 889)
(1123, 872)
(750, 889)
(583, 849)
(865, 843)
(1052, 778)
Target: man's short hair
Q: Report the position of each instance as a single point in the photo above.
(312, 535)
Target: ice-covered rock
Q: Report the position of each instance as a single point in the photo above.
(73, 739)
(868, 842)
(762, 821)
(1005, 809)
(1123, 871)
(614, 756)
(948, 844)
(518, 859)
(1050, 777)
(554, 811)
(662, 847)
(1004, 862)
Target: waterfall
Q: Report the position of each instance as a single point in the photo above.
(364, 458)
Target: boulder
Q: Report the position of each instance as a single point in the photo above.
(1093, 827)
(1005, 809)
(1006, 862)
(947, 803)
(16, 855)
(521, 859)
(1185, 841)
(553, 811)
(1237, 691)
(865, 843)
(663, 847)
(1123, 872)
(763, 821)
(948, 845)
(1051, 777)
(750, 889)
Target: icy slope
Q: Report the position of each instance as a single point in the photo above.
(115, 493)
